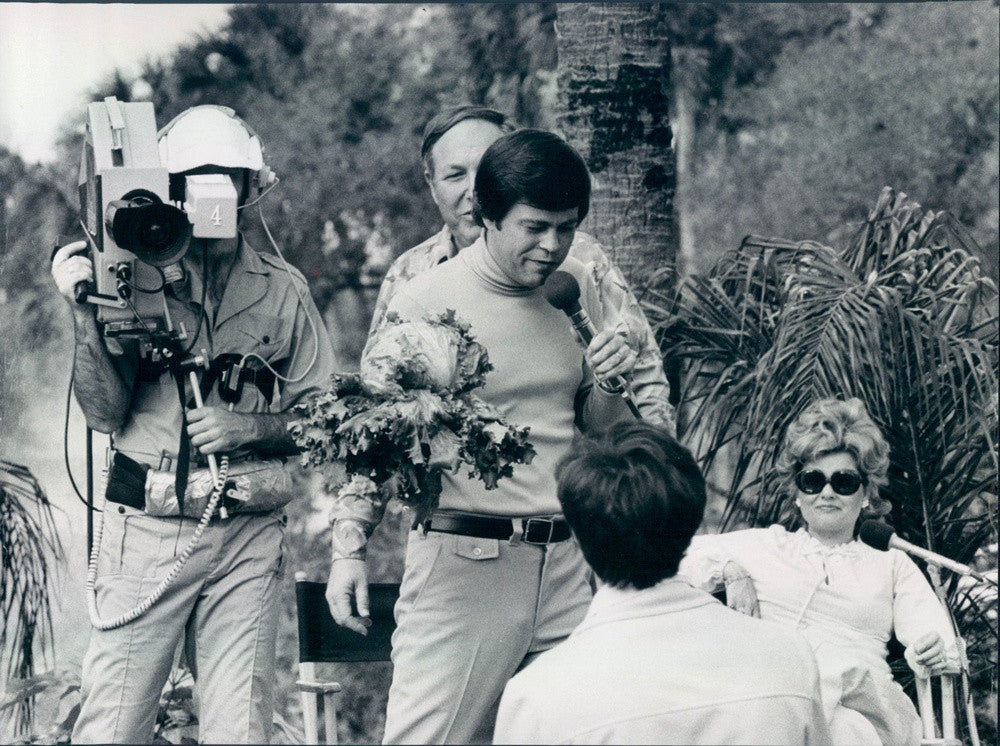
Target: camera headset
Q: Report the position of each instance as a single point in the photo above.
(197, 141)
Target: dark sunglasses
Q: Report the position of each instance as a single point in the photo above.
(813, 481)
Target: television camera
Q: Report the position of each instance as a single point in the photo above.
(138, 227)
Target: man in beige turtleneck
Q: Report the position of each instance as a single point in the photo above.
(453, 143)
(495, 577)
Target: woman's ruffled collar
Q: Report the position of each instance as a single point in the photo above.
(804, 543)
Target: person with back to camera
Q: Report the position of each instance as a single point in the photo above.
(656, 661)
(844, 596)
(493, 577)
(225, 600)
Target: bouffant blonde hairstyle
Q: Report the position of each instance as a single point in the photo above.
(830, 426)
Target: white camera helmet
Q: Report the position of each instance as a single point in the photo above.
(210, 135)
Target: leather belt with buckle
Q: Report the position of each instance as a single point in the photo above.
(528, 530)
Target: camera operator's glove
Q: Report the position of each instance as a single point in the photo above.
(70, 268)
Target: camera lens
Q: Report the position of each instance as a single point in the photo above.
(156, 233)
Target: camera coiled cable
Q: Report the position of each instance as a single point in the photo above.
(147, 603)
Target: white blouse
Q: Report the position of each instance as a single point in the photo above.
(850, 596)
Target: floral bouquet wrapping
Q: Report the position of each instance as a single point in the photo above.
(409, 414)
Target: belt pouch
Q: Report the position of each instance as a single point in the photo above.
(127, 482)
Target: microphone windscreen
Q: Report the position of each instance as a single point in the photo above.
(562, 291)
(876, 534)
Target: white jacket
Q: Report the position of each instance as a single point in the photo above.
(667, 665)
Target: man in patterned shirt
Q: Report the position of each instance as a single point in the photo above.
(454, 142)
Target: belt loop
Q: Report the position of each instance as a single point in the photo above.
(166, 461)
(518, 535)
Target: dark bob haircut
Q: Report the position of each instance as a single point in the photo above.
(535, 167)
(634, 498)
(448, 118)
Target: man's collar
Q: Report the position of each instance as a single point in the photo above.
(669, 595)
(444, 247)
(245, 286)
(250, 261)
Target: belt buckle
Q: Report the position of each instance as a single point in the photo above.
(527, 530)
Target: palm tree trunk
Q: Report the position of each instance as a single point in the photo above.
(684, 130)
(614, 74)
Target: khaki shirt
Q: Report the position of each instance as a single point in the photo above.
(618, 311)
(259, 313)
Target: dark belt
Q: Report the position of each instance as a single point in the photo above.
(536, 530)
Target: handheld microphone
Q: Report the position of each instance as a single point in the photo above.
(879, 535)
(563, 292)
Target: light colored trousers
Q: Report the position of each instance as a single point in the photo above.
(225, 600)
(470, 613)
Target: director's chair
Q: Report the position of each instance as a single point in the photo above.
(322, 640)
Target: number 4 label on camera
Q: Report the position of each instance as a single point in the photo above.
(210, 202)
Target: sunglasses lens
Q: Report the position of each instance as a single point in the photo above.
(845, 482)
(810, 482)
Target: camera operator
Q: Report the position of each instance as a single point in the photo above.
(231, 301)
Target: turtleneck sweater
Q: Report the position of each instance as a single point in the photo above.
(538, 369)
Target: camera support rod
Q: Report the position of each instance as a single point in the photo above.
(213, 467)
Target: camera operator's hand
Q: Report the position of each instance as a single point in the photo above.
(217, 430)
(69, 268)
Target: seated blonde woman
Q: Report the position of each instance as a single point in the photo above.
(846, 598)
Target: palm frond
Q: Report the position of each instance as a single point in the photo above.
(902, 318)
(28, 542)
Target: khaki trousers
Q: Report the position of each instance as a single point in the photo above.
(225, 600)
(471, 612)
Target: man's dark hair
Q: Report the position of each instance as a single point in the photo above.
(535, 167)
(448, 118)
(634, 498)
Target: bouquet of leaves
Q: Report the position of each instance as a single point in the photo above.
(410, 414)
